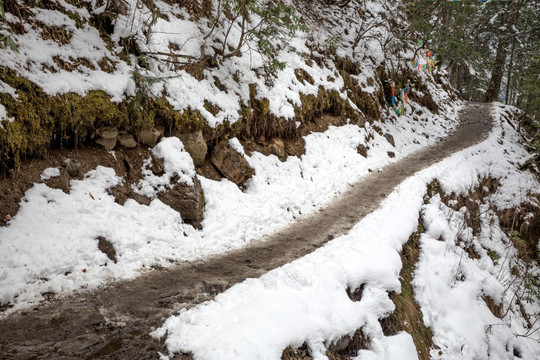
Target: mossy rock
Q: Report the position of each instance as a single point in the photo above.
(42, 121)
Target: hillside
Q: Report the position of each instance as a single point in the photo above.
(140, 137)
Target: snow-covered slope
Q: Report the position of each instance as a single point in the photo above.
(306, 301)
(51, 245)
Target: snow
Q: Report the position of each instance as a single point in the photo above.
(154, 37)
(306, 302)
(4, 115)
(51, 244)
(50, 173)
(155, 235)
(6, 89)
(399, 346)
(176, 162)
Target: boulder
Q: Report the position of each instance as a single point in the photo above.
(126, 139)
(195, 145)
(390, 139)
(187, 200)
(230, 163)
(108, 132)
(149, 137)
(107, 144)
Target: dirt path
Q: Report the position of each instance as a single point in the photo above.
(114, 322)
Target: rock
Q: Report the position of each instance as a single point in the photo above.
(60, 182)
(187, 200)
(149, 137)
(208, 171)
(108, 133)
(277, 147)
(390, 139)
(107, 248)
(158, 168)
(73, 167)
(126, 139)
(340, 345)
(195, 145)
(391, 154)
(362, 150)
(107, 144)
(141, 199)
(230, 163)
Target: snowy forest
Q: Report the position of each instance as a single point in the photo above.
(269, 179)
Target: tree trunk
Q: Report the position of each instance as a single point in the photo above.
(494, 86)
(509, 74)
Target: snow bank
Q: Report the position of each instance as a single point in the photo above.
(306, 301)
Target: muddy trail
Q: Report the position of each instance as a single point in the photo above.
(114, 322)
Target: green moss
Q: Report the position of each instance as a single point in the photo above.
(407, 315)
(42, 121)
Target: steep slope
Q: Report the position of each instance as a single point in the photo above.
(259, 122)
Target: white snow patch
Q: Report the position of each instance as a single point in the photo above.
(50, 173)
(176, 161)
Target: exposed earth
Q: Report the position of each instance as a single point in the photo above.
(114, 322)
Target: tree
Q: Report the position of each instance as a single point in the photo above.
(506, 38)
(268, 24)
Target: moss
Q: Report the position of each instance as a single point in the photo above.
(42, 121)
(348, 65)
(211, 108)
(367, 103)
(407, 315)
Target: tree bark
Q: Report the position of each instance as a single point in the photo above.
(509, 74)
(494, 86)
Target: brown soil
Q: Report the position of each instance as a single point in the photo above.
(113, 322)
